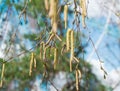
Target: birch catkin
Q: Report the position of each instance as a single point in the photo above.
(34, 62)
(72, 49)
(31, 63)
(54, 27)
(55, 57)
(65, 15)
(84, 11)
(78, 76)
(2, 74)
(51, 11)
(68, 39)
(77, 80)
(44, 53)
(46, 2)
(55, 7)
(83, 21)
(55, 10)
(79, 73)
(83, 6)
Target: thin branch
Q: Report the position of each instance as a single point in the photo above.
(24, 9)
(53, 85)
(101, 67)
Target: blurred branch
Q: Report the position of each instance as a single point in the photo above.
(101, 67)
(115, 12)
(112, 52)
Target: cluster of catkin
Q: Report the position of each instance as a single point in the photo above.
(43, 50)
(52, 8)
(83, 13)
(70, 46)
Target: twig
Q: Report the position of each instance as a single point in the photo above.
(24, 9)
(101, 67)
(53, 85)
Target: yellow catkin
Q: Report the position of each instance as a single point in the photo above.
(54, 27)
(52, 21)
(83, 21)
(65, 15)
(2, 74)
(44, 52)
(83, 6)
(72, 49)
(55, 10)
(55, 57)
(79, 73)
(84, 11)
(46, 2)
(77, 80)
(53, 14)
(34, 63)
(51, 11)
(31, 63)
(68, 39)
(78, 76)
(42, 46)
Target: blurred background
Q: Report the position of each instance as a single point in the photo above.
(24, 24)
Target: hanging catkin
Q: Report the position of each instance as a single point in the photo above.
(83, 6)
(72, 49)
(65, 15)
(78, 77)
(31, 63)
(54, 27)
(51, 11)
(42, 47)
(68, 39)
(55, 57)
(46, 2)
(55, 8)
(77, 80)
(34, 62)
(44, 53)
(79, 73)
(2, 74)
(84, 11)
